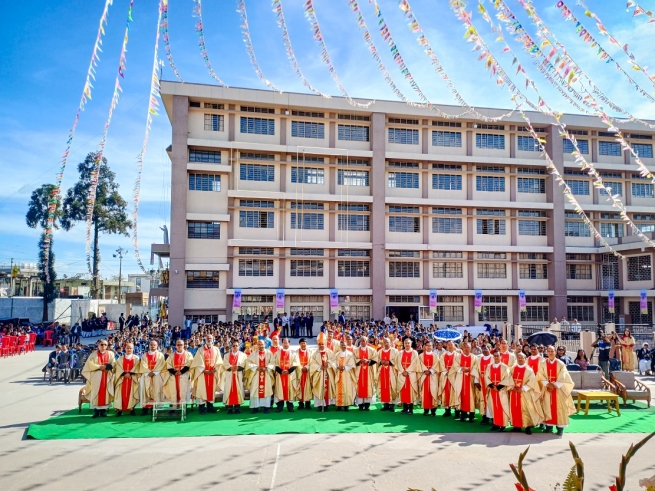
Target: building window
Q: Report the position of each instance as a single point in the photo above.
(202, 279)
(449, 182)
(578, 188)
(583, 145)
(294, 251)
(351, 132)
(531, 185)
(305, 129)
(490, 183)
(354, 117)
(352, 177)
(449, 313)
(204, 182)
(405, 180)
(639, 268)
(256, 156)
(490, 226)
(255, 267)
(495, 142)
(532, 227)
(214, 122)
(584, 313)
(404, 224)
(533, 271)
(644, 150)
(642, 190)
(576, 229)
(611, 229)
(256, 219)
(307, 221)
(447, 254)
(354, 269)
(634, 309)
(257, 172)
(307, 159)
(205, 156)
(262, 110)
(493, 313)
(447, 270)
(527, 144)
(578, 271)
(256, 251)
(404, 299)
(204, 230)
(354, 253)
(616, 188)
(306, 267)
(612, 149)
(446, 139)
(535, 313)
(354, 223)
(307, 175)
(397, 253)
(446, 225)
(492, 270)
(403, 136)
(257, 126)
(404, 269)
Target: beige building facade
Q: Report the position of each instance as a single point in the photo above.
(297, 192)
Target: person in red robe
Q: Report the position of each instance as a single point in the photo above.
(448, 363)
(177, 383)
(286, 362)
(408, 370)
(126, 381)
(97, 372)
(524, 395)
(506, 356)
(234, 364)
(535, 359)
(483, 363)
(330, 342)
(365, 359)
(497, 379)
(207, 373)
(557, 403)
(387, 376)
(428, 382)
(470, 375)
(302, 382)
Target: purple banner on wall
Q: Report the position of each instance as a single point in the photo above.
(522, 301)
(478, 301)
(610, 301)
(433, 301)
(236, 301)
(643, 302)
(279, 301)
(334, 301)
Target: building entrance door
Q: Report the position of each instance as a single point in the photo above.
(404, 313)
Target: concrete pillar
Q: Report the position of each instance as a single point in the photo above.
(177, 279)
(378, 218)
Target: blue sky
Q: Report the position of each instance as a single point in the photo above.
(46, 51)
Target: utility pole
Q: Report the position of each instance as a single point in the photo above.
(11, 278)
(119, 254)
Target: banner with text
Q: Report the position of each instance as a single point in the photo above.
(643, 302)
(610, 301)
(522, 302)
(478, 301)
(433, 301)
(334, 301)
(279, 301)
(236, 301)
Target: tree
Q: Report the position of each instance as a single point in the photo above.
(37, 216)
(109, 213)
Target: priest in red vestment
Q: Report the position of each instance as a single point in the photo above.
(387, 376)
(470, 375)
(286, 363)
(234, 364)
(151, 365)
(557, 385)
(365, 360)
(207, 375)
(524, 394)
(506, 356)
(260, 371)
(448, 367)
(97, 372)
(302, 382)
(408, 370)
(497, 380)
(483, 363)
(428, 381)
(126, 382)
(176, 377)
(535, 359)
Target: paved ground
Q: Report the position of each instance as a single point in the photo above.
(384, 462)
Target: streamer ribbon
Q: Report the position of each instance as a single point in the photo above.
(241, 9)
(310, 15)
(197, 12)
(291, 55)
(153, 104)
(639, 10)
(53, 201)
(165, 36)
(95, 173)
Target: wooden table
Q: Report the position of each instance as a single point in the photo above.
(596, 395)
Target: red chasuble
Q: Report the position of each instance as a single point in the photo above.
(466, 397)
(496, 376)
(208, 357)
(515, 398)
(448, 360)
(262, 376)
(351, 349)
(103, 359)
(428, 360)
(274, 349)
(233, 399)
(285, 363)
(504, 358)
(178, 364)
(385, 374)
(362, 382)
(330, 345)
(303, 357)
(534, 363)
(483, 369)
(126, 385)
(551, 372)
(406, 391)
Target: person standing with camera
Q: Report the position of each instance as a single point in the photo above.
(604, 346)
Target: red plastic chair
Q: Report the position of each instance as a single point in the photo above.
(13, 345)
(23, 344)
(31, 343)
(47, 338)
(4, 346)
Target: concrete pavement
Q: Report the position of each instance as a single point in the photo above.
(382, 462)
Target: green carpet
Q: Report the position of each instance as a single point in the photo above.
(71, 425)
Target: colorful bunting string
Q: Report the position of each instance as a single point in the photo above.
(241, 8)
(95, 173)
(291, 55)
(639, 10)
(492, 64)
(153, 104)
(165, 37)
(310, 15)
(561, 58)
(422, 40)
(600, 52)
(84, 98)
(514, 27)
(197, 12)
